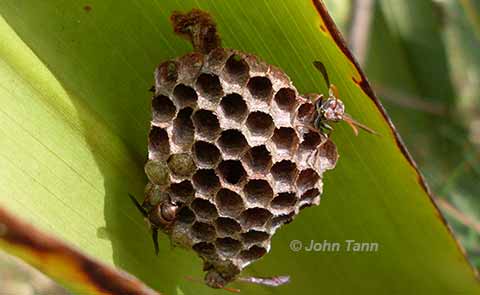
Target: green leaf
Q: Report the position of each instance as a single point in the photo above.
(74, 115)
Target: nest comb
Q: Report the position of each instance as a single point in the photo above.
(228, 149)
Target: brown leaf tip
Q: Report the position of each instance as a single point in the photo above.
(198, 27)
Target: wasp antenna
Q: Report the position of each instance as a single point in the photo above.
(139, 207)
(353, 123)
(321, 68)
(155, 240)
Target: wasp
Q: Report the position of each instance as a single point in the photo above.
(159, 217)
(332, 109)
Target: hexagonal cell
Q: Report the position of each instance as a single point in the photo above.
(236, 70)
(254, 237)
(209, 87)
(260, 88)
(227, 246)
(206, 124)
(183, 130)
(285, 140)
(204, 209)
(234, 107)
(307, 179)
(157, 172)
(229, 203)
(255, 217)
(310, 142)
(227, 226)
(232, 143)
(285, 99)
(255, 252)
(205, 181)
(258, 159)
(282, 219)
(203, 231)
(284, 201)
(163, 109)
(310, 195)
(258, 191)
(205, 154)
(185, 96)
(284, 173)
(166, 73)
(231, 171)
(185, 215)
(181, 165)
(328, 155)
(158, 142)
(260, 124)
(305, 111)
(204, 248)
(182, 191)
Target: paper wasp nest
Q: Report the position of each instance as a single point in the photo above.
(228, 139)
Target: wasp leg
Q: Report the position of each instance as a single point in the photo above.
(139, 207)
(155, 240)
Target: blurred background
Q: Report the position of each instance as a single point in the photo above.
(423, 60)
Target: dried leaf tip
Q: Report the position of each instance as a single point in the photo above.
(198, 27)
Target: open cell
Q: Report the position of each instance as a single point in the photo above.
(183, 131)
(158, 141)
(163, 109)
(204, 248)
(260, 124)
(232, 142)
(227, 226)
(236, 70)
(285, 140)
(206, 124)
(209, 87)
(284, 172)
(260, 88)
(282, 219)
(234, 107)
(258, 191)
(285, 99)
(182, 191)
(228, 246)
(231, 171)
(307, 179)
(255, 217)
(284, 201)
(185, 96)
(255, 252)
(185, 215)
(254, 237)
(205, 181)
(310, 195)
(229, 203)
(206, 154)
(203, 231)
(306, 111)
(204, 209)
(258, 159)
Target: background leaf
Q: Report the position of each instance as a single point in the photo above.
(74, 119)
